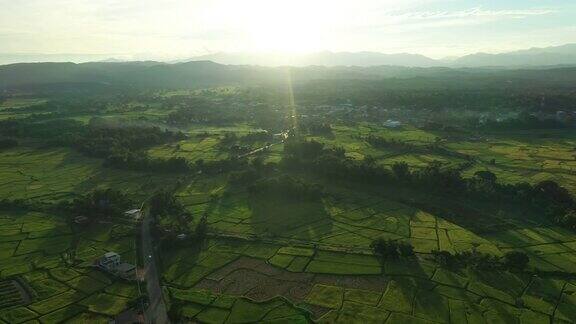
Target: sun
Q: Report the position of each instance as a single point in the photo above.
(285, 26)
(283, 35)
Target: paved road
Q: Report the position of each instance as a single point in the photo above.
(283, 137)
(156, 312)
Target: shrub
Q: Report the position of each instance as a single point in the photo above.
(516, 260)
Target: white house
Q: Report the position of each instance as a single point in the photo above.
(135, 214)
(110, 261)
(392, 123)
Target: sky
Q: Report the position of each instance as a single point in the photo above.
(172, 29)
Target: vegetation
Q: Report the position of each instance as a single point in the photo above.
(102, 204)
(267, 210)
(391, 250)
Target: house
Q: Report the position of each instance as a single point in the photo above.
(392, 123)
(135, 214)
(110, 261)
(80, 219)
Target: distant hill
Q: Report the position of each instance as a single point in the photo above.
(196, 74)
(564, 55)
(11, 58)
(556, 55)
(548, 56)
(322, 58)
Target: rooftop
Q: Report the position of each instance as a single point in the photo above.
(111, 254)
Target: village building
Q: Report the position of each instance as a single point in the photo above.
(135, 214)
(111, 262)
(392, 123)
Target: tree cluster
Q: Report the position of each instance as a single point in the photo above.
(398, 145)
(391, 250)
(121, 145)
(513, 260)
(101, 204)
(547, 196)
(7, 143)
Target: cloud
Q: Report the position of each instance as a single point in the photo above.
(190, 26)
(478, 12)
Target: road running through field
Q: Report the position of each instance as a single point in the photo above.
(156, 312)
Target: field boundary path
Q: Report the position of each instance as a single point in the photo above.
(156, 312)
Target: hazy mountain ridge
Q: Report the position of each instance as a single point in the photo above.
(533, 57)
(556, 55)
(548, 56)
(322, 58)
(207, 73)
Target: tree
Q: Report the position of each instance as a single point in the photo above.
(444, 258)
(385, 249)
(165, 203)
(369, 160)
(401, 170)
(102, 203)
(516, 260)
(7, 143)
(486, 176)
(550, 190)
(201, 230)
(405, 249)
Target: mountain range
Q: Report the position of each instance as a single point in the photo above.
(158, 75)
(547, 56)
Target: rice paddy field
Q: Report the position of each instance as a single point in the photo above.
(314, 258)
(317, 257)
(50, 175)
(528, 156)
(270, 260)
(52, 267)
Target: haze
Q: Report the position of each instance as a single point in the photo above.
(167, 30)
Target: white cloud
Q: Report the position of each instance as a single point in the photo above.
(186, 27)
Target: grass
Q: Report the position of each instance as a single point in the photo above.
(362, 296)
(213, 315)
(47, 287)
(86, 284)
(317, 266)
(328, 238)
(62, 315)
(56, 302)
(64, 274)
(326, 296)
(106, 304)
(49, 175)
(281, 260)
(398, 297)
(17, 315)
(245, 311)
(123, 289)
(60, 291)
(296, 251)
(194, 296)
(86, 317)
(353, 312)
